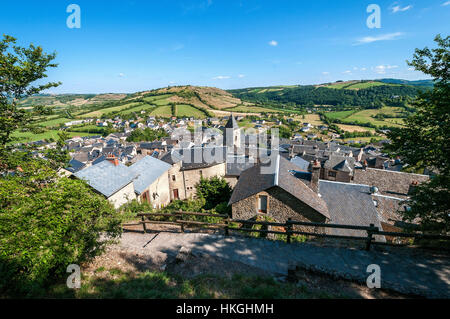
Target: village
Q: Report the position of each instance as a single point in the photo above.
(305, 179)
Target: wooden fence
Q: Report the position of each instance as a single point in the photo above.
(179, 218)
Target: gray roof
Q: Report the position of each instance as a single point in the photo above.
(75, 166)
(148, 170)
(107, 178)
(253, 181)
(340, 163)
(349, 204)
(301, 163)
(232, 123)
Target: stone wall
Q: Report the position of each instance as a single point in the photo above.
(192, 177)
(280, 206)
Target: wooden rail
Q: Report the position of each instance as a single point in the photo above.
(289, 231)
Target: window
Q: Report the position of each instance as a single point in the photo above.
(262, 204)
(332, 174)
(174, 178)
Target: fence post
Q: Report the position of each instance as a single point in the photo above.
(288, 230)
(226, 226)
(182, 224)
(143, 224)
(369, 236)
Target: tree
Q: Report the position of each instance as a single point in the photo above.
(46, 221)
(46, 224)
(19, 68)
(214, 191)
(424, 141)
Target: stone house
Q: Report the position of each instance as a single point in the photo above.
(277, 193)
(285, 191)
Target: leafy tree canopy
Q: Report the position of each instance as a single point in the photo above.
(424, 142)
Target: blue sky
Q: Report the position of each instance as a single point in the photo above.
(129, 46)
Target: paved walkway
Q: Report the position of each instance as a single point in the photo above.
(403, 270)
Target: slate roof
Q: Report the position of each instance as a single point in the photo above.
(107, 178)
(202, 157)
(389, 183)
(349, 204)
(340, 163)
(302, 164)
(253, 181)
(148, 170)
(232, 123)
(75, 166)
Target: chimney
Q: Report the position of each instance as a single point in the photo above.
(315, 173)
(112, 159)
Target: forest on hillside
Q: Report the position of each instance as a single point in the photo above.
(309, 96)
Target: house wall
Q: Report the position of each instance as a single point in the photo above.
(192, 177)
(178, 183)
(232, 180)
(160, 187)
(280, 206)
(122, 196)
(340, 176)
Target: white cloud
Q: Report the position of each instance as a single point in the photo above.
(273, 43)
(221, 77)
(446, 4)
(121, 75)
(363, 69)
(381, 69)
(241, 76)
(397, 8)
(347, 72)
(383, 37)
(325, 73)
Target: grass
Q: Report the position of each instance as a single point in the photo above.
(339, 115)
(365, 85)
(24, 137)
(54, 122)
(252, 109)
(163, 111)
(114, 283)
(99, 113)
(185, 110)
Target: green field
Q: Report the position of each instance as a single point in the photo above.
(158, 99)
(99, 113)
(365, 85)
(54, 122)
(252, 109)
(24, 137)
(367, 116)
(184, 110)
(339, 115)
(140, 107)
(163, 111)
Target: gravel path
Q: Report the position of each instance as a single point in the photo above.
(408, 271)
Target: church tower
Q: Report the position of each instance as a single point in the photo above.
(232, 134)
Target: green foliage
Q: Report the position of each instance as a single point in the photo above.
(47, 223)
(146, 135)
(424, 142)
(19, 68)
(130, 209)
(214, 191)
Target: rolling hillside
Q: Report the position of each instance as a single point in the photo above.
(360, 94)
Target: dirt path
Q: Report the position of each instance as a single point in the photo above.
(411, 272)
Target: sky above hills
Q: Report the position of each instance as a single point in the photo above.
(129, 46)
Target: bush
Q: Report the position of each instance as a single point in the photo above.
(47, 223)
(214, 191)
